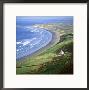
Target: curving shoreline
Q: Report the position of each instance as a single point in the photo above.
(55, 39)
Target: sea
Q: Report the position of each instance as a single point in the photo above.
(29, 39)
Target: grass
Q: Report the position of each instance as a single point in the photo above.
(49, 62)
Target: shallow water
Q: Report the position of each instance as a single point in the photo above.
(30, 39)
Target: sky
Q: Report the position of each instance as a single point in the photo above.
(41, 19)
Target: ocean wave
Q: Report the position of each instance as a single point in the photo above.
(29, 45)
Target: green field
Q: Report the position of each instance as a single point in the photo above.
(50, 61)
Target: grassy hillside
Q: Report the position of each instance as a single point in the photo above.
(50, 61)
